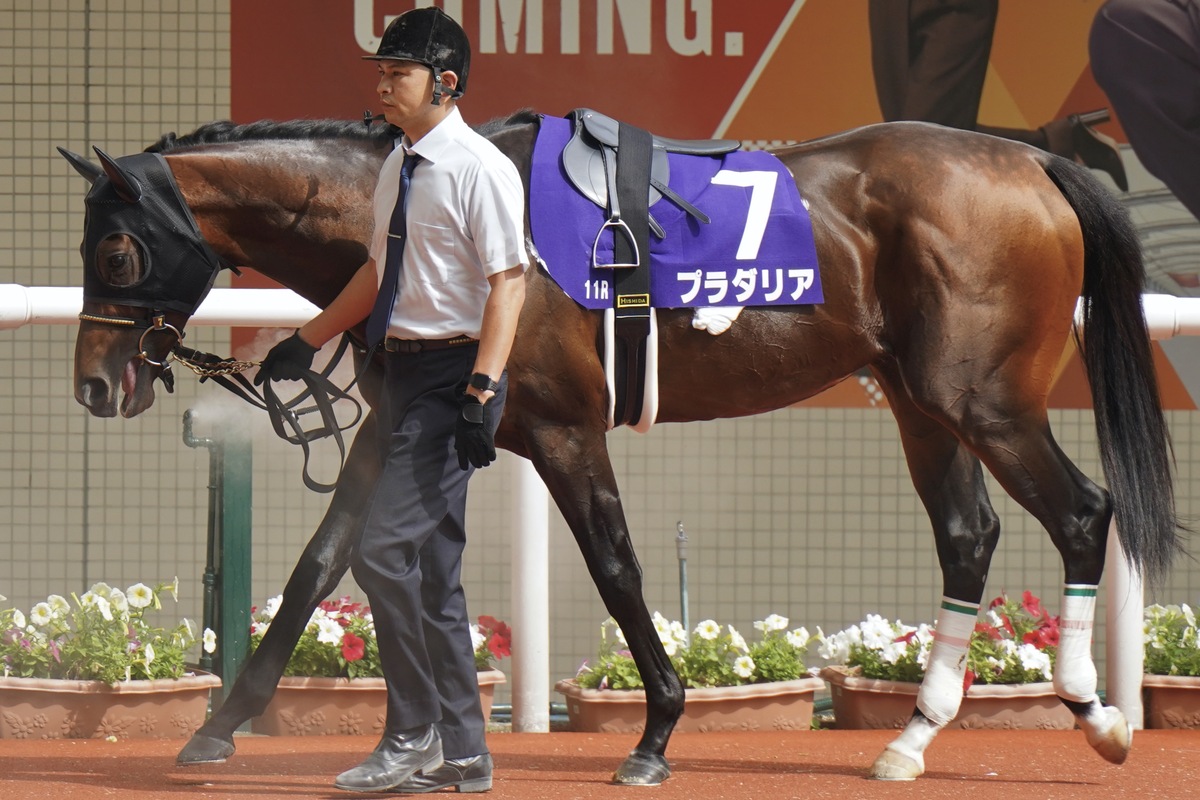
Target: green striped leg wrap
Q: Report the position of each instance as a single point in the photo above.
(1074, 671)
(942, 689)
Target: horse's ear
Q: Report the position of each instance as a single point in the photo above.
(84, 167)
(128, 189)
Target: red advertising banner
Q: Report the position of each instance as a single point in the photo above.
(769, 71)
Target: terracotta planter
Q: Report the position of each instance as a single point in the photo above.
(783, 705)
(866, 703)
(46, 708)
(1171, 701)
(332, 706)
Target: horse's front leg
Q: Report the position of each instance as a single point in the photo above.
(574, 464)
(950, 482)
(323, 563)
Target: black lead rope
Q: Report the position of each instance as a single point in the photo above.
(286, 416)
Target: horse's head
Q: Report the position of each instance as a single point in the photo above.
(146, 269)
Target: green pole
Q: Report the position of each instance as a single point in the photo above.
(227, 571)
(234, 556)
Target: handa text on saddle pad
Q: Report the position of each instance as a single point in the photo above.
(757, 251)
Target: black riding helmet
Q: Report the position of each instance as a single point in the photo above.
(431, 37)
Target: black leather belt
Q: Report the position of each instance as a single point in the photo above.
(394, 345)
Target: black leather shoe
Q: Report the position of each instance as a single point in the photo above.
(397, 757)
(1095, 149)
(472, 774)
(1073, 137)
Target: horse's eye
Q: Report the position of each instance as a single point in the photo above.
(119, 262)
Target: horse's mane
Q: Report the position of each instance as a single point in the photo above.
(223, 131)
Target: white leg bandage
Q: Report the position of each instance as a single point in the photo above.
(942, 689)
(1074, 670)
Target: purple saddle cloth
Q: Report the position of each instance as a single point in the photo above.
(757, 251)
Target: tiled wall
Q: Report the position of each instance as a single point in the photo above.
(805, 512)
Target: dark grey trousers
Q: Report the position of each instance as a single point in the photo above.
(409, 560)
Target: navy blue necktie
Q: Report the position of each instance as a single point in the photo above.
(381, 313)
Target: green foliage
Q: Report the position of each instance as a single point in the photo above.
(339, 641)
(709, 656)
(104, 635)
(1172, 640)
(1016, 644)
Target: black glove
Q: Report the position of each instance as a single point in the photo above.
(286, 361)
(473, 433)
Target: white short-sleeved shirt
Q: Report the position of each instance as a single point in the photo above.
(466, 221)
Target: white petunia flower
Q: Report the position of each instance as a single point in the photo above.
(102, 589)
(743, 666)
(477, 638)
(119, 602)
(58, 604)
(736, 641)
(259, 628)
(661, 624)
(272, 606)
(670, 646)
(18, 618)
(708, 630)
(798, 638)
(99, 602)
(140, 595)
(41, 614)
(149, 651)
(776, 623)
(210, 640)
(174, 589)
(892, 652)
(329, 631)
(1034, 659)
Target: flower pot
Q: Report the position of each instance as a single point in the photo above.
(868, 703)
(782, 705)
(47, 708)
(1171, 701)
(332, 706)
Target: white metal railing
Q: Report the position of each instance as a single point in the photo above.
(1167, 316)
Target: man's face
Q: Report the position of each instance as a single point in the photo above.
(405, 90)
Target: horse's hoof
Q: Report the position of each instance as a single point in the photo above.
(204, 750)
(893, 766)
(640, 769)
(1111, 736)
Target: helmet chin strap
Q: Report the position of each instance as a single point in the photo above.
(439, 88)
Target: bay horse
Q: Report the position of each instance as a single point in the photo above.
(951, 264)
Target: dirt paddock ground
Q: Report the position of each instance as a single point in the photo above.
(981, 765)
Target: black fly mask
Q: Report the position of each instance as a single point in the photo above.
(137, 196)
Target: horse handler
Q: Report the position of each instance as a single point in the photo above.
(449, 233)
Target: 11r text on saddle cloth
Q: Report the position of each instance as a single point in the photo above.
(757, 251)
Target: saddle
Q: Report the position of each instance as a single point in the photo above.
(590, 160)
(625, 170)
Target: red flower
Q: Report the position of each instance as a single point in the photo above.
(968, 679)
(353, 648)
(906, 638)
(1032, 605)
(499, 636)
(992, 631)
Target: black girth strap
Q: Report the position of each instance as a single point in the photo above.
(632, 285)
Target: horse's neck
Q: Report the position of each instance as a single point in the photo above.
(301, 217)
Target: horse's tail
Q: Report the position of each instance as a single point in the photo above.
(1135, 445)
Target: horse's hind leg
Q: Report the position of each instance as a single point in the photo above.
(574, 464)
(950, 482)
(1028, 463)
(323, 563)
